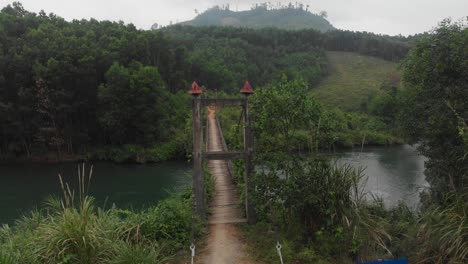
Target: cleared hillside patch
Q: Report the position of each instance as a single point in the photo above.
(352, 79)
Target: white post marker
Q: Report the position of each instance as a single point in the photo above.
(192, 248)
(278, 249)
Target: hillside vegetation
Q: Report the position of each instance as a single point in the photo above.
(353, 79)
(106, 90)
(288, 17)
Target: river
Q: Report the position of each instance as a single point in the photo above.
(394, 173)
(25, 186)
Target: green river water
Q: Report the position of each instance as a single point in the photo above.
(25, 186)
(394, 173)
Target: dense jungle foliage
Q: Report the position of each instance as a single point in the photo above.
(70, 89)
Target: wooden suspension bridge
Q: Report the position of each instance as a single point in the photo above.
(224, 244)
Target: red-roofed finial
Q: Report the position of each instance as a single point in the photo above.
(195, 90)
(247, 89)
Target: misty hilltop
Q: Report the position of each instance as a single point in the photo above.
(262, 16)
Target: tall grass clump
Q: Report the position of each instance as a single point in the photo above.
(148, 253)
(80, 235)
(75, 231)
(443, 233)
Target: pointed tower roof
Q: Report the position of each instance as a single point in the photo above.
(247, 89)
(195, 90)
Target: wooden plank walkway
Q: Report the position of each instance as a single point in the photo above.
(225, 207)
(224, 243)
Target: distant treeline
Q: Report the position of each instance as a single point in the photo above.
(392, 48)
(70, 87)
(289, 17)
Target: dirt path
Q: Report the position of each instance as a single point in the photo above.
(224, 244)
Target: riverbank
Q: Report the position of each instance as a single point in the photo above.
(74, 229)
(128, 153)
(85, 233)
(173, 151)
(128, 186)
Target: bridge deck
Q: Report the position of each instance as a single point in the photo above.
(224, 244)
(225, 207)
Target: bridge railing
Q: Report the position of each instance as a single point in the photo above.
(230, 166)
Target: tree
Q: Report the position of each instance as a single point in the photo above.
(280, 112)
(386, 105)
(131, 104)
(323, 14)
(436, 77)
(69, 60)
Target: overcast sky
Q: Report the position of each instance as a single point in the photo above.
(380, 16)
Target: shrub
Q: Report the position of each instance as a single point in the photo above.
(78, 235)
(443, 233)
(174, 148)
(19, 244)
(166, 151)
(318, 193)
(318, 202)
(170, 221)
(144, 253)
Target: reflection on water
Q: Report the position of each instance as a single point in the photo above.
(25, 186)
(394, 173)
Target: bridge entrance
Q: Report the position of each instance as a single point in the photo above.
(217, 151)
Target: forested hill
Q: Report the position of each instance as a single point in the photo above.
(86, 86)
(288, 17)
